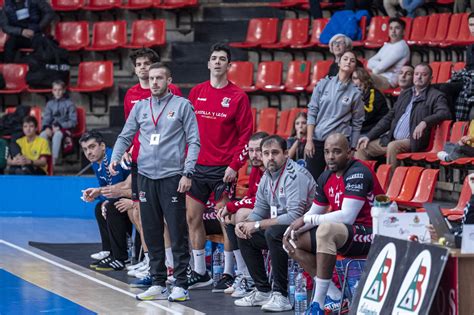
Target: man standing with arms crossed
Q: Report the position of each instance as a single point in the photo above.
(167, 126)
(225, 124)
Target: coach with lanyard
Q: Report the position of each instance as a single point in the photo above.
(167, 124)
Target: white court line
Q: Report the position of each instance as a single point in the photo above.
(105, 284)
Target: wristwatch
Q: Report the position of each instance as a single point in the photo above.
(188, 175)
(257, 225)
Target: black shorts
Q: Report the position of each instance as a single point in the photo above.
(358, 243)
(134, 172)
(207, 180)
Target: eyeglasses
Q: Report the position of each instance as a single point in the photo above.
(339, 43)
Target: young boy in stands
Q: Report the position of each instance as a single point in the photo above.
(59, 117)
(29, 154)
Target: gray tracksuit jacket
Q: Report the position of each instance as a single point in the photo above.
(177, 127)
(293, 196)
(336, 107)
(60, 111)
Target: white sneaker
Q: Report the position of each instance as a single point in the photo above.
(155, 292)
(255, 298)
(235, 285)
(245, 288)
(142, 274)
(136, 266)
(141, 269)
(100, 255)
(443, 156)
(277, 303)
(178, 294)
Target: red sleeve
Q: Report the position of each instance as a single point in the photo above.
(244, 129)
(191, 96)
(175, 90)
(127, 105)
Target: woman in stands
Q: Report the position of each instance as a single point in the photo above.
(338, 44)
(297, 141)
(336, 106)
(375, 104)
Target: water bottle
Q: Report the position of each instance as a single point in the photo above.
(130, 250)
(301, 296)
(217, 265)
(291, 280)
(208, 251)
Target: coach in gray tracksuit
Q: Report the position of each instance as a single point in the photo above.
(167, 124)
(285, 193)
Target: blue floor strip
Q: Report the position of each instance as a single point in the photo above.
(18, 296)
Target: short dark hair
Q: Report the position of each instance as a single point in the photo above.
(144, 53)
(59, 82)
(30, 120)
(399, 21)
(221, 47)
(409, 65)
(258, 135)
(274, 139)
(470, 16)
(88, 135)
(160, 65)
(300, 114)
(424, 64)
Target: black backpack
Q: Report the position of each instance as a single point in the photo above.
(12, 124)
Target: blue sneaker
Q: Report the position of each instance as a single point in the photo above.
(141, 283)
(334, 305)
(315, 309)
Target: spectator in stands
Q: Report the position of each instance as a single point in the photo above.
(461, 6)
(142, 59)
(23, 21)
(224, 117)
(347, 188)
(284, 195)
(162, 185)
(375, 104)
(338, 45)
(453, 151)
(335, 106)
(59, 118)
(408, 7)
(407, 126)
(297, 141)
(237, 211)
(405, 77)
(114, 225)
(29, 154)
(387, 62)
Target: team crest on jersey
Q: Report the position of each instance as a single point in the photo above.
(345, 100)
(225, 102)
(171, 115)
(144, 116)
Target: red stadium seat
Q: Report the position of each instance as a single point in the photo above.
(102, 5)
(147, 33)
(442, 30)
(453, 30)
(435, 67)
(293, 32)
(430, 31)
(269, 76)
(81, 123)
(317, 28)
(14, 75)
(407, 33)
(72, 36)
(35, 111)
(108, 35)
(383, 175)
(254, 119)
(320, 70)
(424, 190)
(458, 66)
(377, 34)
(138, 4)
(94, 76)
(297, 77)
(287, 4)
(267, 120)
(176, 4)
(283, 121)
(259, 32)
(3, 39)
(241, 74)
(464, 37)
(410, 183)
(420, 24)
(290, 122)
(397, 181)
(67, 5)
(460, 129)
(444, 72)
(464, 197)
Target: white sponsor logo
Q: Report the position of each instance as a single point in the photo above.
(355, 187)
(174, 199)
(202, 99)
(355, 176)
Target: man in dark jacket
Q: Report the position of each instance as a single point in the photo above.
(23, 20)
(407, 126)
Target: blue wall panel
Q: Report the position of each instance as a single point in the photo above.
(45, 196)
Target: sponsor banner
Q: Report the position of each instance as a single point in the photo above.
(404, 225)
(447, 297)
(400, 277)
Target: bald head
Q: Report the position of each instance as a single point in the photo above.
(339, 139)
(337, 152)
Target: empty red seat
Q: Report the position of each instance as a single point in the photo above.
(407, 32)
(317, 27)
(283, 122)
(176, 4)
(108, 35)
(267, 120)
(444, 73)
(94, 76)
(241, 74)
(377, 34)
(293, 32)
(435, 67)
(269, 76)
(430, 32)
(81, 123)
(259, 32)
(102, 5)
(410, 183)
(453, 30)
(383, 175)
(14, 75)
(441, 29)
(462, 202)
(290, 122)
(396, 182)
(418, 33)
(72, 36)
(458, 66)
(425, 189)
(297, 77)
(67, 5)
(464, 36)
(147, 33)
(320, 70)
(138, 4)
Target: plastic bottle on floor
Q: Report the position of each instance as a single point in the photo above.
(301, 295)
(217, 264)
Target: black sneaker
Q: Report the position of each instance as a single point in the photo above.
(225, 282)
(111, 265)
(196, 280)
(100, 262)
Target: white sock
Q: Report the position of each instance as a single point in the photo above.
(199, 261)
(147, 258)
(321, 289)
(229, 263)
(169, 257)
(241, 266)
(333, 292)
